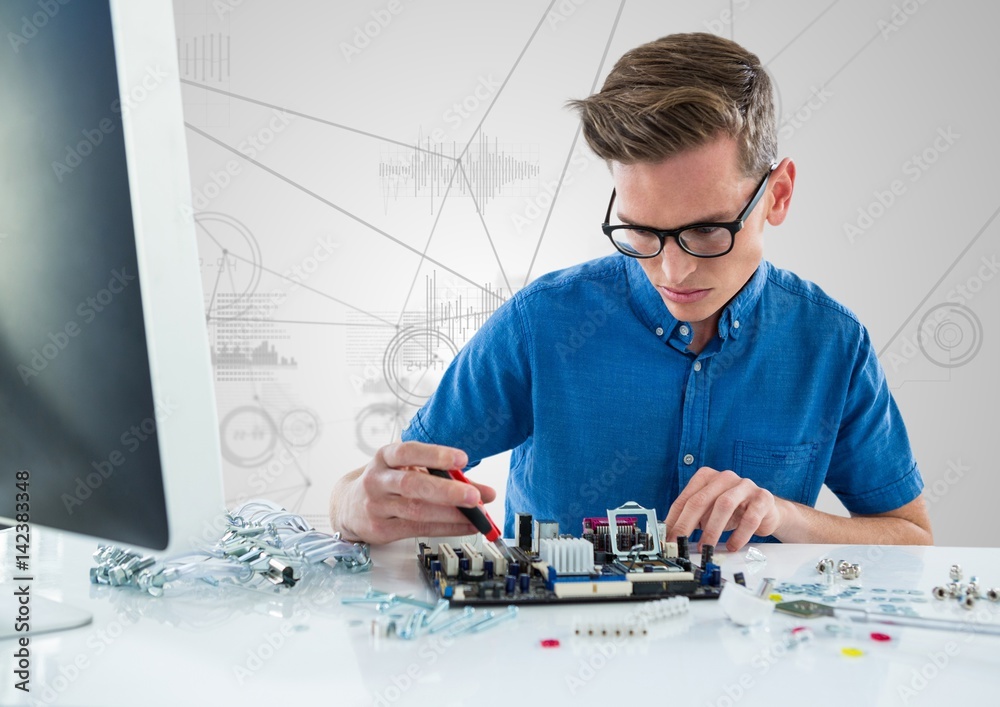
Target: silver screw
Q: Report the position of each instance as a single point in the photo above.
(442, 605)
(415, 602)
(409, 630)
(511, 613)
(469, 626)
(466, 613)
(955, 573)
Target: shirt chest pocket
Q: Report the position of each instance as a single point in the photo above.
(785, 470)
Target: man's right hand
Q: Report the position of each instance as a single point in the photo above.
(394, 497)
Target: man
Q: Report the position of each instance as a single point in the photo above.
(683, 372)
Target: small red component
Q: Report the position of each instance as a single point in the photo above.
(881, 637)
(798, 629)
(550, 643)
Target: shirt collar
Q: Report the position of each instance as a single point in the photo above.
(649, 306)
(737, 313)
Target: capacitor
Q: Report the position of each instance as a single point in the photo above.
(435, 567)
(511, 583)
(463, 564)
(682, 547)
(525, 581)
(488, 568)
(513, 569)
(707, 553)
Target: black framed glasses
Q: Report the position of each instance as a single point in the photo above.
(702, 240)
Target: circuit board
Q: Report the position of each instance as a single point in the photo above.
(617, 559)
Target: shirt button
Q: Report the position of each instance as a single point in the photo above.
(659, 331)
(697, 366)
(736, 324)
(684, 330)
(689, 459)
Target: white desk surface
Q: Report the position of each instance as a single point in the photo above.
(214, 646)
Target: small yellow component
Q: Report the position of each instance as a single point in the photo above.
(852, 652)
(776, 597)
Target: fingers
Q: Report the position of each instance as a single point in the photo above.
(430, 456)
(398, 498)
(758, 517)
(696, 500)
(729, 512)
(719, 501)
(487, 493)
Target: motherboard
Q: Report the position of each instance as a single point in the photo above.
(618, 558)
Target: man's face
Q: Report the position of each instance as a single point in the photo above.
(704, 184)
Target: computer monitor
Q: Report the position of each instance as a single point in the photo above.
(106, 394)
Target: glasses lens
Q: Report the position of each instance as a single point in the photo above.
(635, 241)
(706, 240)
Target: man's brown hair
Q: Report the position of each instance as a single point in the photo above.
(678, 92)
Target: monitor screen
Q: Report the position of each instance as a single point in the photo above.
(77, 409)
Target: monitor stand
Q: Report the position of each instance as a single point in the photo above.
(45, 615)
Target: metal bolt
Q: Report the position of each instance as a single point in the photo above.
(766, 585)
(414, 602)
(967, 601)
(117, 576)
(365, 600)
(430, 618)
(955, 573)
(511, 613)
(993, 594)
(940, 593)
(471, 625)
(848, 570)
(412, 625)
(466, 613)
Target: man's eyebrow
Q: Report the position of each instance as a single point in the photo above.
(717, 217)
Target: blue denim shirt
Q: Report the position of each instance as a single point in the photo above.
(586, 376)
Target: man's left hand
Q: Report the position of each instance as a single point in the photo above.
(717, 501)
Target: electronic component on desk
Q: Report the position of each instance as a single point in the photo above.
(448, 559)
(495, 559)
(615, 560)
(474, 557)
(522, 531)
(544, 530)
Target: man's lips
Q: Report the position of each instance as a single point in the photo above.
(682, 296)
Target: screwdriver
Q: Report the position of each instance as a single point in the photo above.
(478, 515)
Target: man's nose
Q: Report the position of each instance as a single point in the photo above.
(676, 264)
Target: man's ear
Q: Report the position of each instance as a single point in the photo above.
(780, 187)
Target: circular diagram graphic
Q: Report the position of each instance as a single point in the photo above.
(300, 428)
(414, 362)
(248, 436)
(376, 425)
(230, 264)
(950, 335)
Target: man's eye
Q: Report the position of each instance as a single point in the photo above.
(705, 231)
